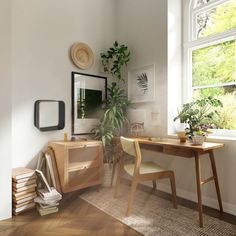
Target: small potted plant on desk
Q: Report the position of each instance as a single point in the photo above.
(199, 134)
(200, 116)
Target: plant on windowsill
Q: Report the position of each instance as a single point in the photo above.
(200, 116)
(115, 116)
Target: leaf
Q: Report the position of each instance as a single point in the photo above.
(142, 82)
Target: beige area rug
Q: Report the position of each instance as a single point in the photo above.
(155, 216)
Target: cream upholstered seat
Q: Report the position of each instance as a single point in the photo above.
(145, 168)
(141, 171)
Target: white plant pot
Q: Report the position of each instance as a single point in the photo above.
(198, 139)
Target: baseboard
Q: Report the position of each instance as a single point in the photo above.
(207, 201)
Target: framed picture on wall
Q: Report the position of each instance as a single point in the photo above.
(137, 118)
(88, 94)
(141, 84)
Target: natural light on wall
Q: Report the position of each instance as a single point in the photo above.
(174, 61)
(210, 53)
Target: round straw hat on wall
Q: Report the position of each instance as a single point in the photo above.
(82, 55)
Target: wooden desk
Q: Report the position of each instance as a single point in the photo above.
(188, 150)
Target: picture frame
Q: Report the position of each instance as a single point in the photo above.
(137, 119)
(141, 84)
(88, 94)
(43, 179)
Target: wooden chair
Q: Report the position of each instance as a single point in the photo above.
(141, 171)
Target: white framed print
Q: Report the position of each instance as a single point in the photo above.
(141, 84)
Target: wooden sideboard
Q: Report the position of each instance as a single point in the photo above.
(79, 163)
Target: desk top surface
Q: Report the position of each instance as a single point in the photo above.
(176, 143)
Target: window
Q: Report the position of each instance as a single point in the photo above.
(210, 56)
(199, 3)
(216, 19)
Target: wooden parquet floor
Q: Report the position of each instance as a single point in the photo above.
(75, 217)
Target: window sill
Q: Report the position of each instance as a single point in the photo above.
(211, 138)
(217, 137)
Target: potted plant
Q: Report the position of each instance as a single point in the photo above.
(200, 116)
(115, 116)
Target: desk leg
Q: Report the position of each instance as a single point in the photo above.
(213, 165)
(199, 192)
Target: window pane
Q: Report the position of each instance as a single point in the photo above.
(214, 64)
(227, 95)
(217, 20)
(199, 3)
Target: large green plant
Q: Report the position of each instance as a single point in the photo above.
(200, 115)
(115, 116)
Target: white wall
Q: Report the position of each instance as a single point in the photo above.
(38, 35)
(5, 109)
(174, 61)
(143, 26)
(43, 32)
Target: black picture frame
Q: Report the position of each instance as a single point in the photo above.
(88, 93)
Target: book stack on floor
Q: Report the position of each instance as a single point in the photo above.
(48, 197)
(23, 189)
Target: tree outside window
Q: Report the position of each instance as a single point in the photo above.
(213, 58)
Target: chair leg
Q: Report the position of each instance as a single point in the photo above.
(154, 184)
(131, 197)
(173, 189)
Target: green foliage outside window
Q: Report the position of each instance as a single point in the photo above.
(218, 19)
(214, 66)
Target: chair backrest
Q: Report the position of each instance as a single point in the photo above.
(131, 147)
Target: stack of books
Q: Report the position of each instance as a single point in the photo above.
(23, 189)
(48, 197)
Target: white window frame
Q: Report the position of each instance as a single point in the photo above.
(191, 43)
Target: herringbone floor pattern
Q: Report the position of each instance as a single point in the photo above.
(76, 217)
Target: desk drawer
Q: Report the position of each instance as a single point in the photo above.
(177, 151)
(155, 148)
